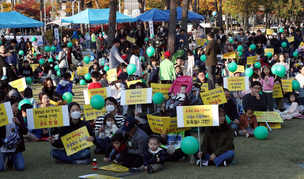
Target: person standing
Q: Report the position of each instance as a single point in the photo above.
(93, 39)
(115, 58)
(166, 70)
(211, 51)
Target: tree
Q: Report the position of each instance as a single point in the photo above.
(172, 27)
(159, 4)
(141, 4)
(219, 12)
(112, 22)
(185, 17)
(291, 10)
(29, 8)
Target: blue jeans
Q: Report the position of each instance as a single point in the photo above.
(227, 156)
(234, 126)
(102, 144)
(62, 156)
(17, 159)
(93, 45)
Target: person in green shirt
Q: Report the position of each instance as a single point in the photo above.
(167, 70)
(93, 39)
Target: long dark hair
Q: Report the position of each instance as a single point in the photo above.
(263, 74)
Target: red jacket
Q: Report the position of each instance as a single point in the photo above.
(244, 122)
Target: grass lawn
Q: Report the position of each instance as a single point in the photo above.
(276, 157)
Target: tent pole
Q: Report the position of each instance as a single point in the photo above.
(61, 28)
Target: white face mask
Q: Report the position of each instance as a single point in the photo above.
(109, 124)
(161, 29)
(110, 108)
(75, 115)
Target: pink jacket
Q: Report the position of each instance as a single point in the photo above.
(267, 86)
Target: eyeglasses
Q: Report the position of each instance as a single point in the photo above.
(257, 88)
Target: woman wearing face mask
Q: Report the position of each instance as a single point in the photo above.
(81, 157)
(112, 108)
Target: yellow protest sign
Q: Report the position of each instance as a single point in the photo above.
(268, 116)
(290, 39)
(196, 116)
(6, 114)
(76, 141)
(41, 118)
(89, 93)
(81, 71)
(302, 44)
(90, 113)
(271, 125)
(287, 85)
(252, 60)
(269, 31)
(20, 84)
(277, 91)
(161, 88)
(130, 39)
(112, 75)
(236, 83)
(114, 168)
(271, 50)
(34, 66)
(160, 124)
(215, 96)
(133, 82)
(229, 55)
(136, 96)
(240, 69)
(201, 42)
(204, 87)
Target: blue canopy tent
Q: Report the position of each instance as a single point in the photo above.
(155, 15)
(14, 19)
(191, 15)
(97, 16)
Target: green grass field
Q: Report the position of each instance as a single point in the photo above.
(276, 157)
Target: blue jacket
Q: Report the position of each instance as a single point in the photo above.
(64, 86)
(75, 35)
(153, 77)
(150, 158)
(12, 59)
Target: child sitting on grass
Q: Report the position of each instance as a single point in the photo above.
(118, 150)
(95, 83)
(177, 99)
(248, 123)
(293, 110)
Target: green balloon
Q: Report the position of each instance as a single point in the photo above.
(152, 35)
(79, 36)
(97, 102)
(273, 69)
(35, 54)
(280, 70)
(295, 54)
(260, 132)
(231, 40)
(284, 44)
(240, 54)
(70, 44)
(269, 54)
(295, 85)
(146, 39)
(22, 102)
(228, 119)
(203, 58)
(33, 39)
(87, 76)
(281, 30)
(56, 68)
(21, 52)
(103, 33)
(103, 62)
(189, 145)
(67, 96)
(28, 80)
(142, 58)
(144, 81)
(106, 68)
(86, 59)
(258, 65)
(53, 48)
(252, 46)
(50, 60)
(131, 69)
(58, 73)
(82, 82)
(207, 75)
(150, 51)
(240, 48)
(232, 67)
(0, 42)
(41, 61)
(249, 72)
(47, 49)
(158, 98)
(57, 57)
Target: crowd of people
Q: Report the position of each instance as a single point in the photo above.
(123, 133)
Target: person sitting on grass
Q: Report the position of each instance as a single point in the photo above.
(81, 157)
(217, 146)
(30, 136)
(254, 99)
(293, 110)
(248, 123)
(13, 149)
(65, 85)
(118, 150)
(95, 83)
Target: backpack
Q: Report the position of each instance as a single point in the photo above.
(13, 140)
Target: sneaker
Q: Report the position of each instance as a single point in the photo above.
(4, 78)
(225, 163)
(85, 161)
(183, 159)
(134, 170)
(235, 133)
(205, 163)
(248, 135)
(150, 169)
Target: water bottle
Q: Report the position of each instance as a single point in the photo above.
(94, 165)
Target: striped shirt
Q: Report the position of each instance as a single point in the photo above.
(119, 120)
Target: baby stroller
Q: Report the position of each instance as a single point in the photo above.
(175, 88)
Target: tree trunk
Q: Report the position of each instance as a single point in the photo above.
(141, 4)
(172, 27)
(97, 5)
(185, 18)
(195, 6)
(82, 25)
(191, 5)
(41, 19)
(12, 9)
(112, 22)
(179, 3)
(220, 14)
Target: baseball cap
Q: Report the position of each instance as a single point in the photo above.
(130, 122)
(167, 54)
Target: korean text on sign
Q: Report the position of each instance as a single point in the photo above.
(161, 88)
(20, 84)
(236, 83)
(90, 113)
(269, 116)
(196, 116)
(287, 85)
(136, 96)
(89, 93)
(277, 91)
(6, 114)
(160, 124)
(215, 96)
(76, 141)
